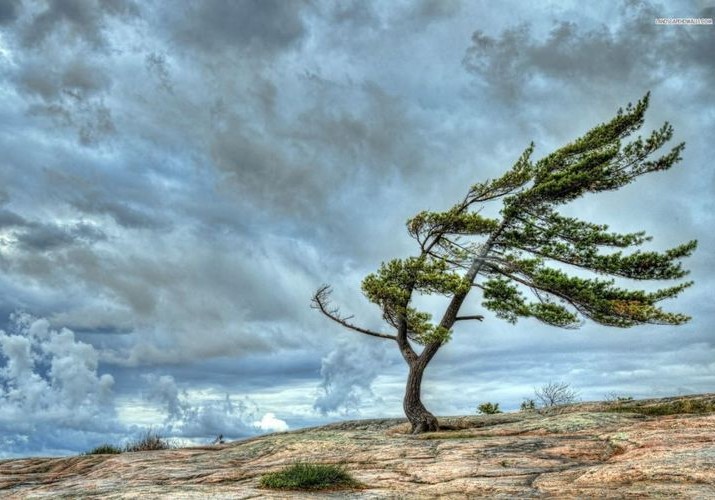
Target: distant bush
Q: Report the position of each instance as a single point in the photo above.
(488, 408)
(615, 397)
(305, 476)
(104, 449)
(527, 405)
(150, 441)
(555, 394)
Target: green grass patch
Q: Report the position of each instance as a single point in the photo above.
(104, 449)
(150, 441)
(304, 476)
(680, 407)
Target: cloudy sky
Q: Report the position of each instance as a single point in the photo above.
(177, 178)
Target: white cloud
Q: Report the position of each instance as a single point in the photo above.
(270, 423)
(191, 415)
(50, 385)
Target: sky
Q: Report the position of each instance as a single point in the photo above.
(177, 179)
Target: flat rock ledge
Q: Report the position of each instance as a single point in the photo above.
(590, 450)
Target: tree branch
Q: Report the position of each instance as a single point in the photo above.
(321, 302)
(534, 288)
(478, 317)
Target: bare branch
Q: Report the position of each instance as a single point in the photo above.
(478, 317)
(321, 302)
(555, 394)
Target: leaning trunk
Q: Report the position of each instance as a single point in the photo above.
(421, 419)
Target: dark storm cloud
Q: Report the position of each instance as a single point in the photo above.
(71, 103)
(223, 25)
(632, 50)
(77, 19)
(43, 237)
(70, 93)
(122, 194)
(92, 122)
(62, 72)
(353, 12)
(431, 10)
(9, 11)
(30, 236)
(10, 219)
(78, 78)
(378, 135)
(168, 298)
(293, 166)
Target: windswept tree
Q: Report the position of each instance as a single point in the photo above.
(522, 262)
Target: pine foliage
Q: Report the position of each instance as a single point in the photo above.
(523, 260)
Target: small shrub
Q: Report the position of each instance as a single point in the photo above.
(555, 394)
(104, 449)
(528, 405)
(488, 408)
(304, 476)
(149, 442)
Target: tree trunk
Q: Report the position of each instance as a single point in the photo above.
(421, 419)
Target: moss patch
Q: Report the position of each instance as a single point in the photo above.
(677, 407)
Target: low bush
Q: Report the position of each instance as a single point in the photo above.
(104, 449)
(488, 408)
(528, 405)
(305, 476)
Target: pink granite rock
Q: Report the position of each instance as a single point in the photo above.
(592, 450)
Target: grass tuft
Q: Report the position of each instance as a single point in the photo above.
(104, 449)
(150, 441)
(305, 476)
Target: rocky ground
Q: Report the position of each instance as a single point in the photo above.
(634, 449)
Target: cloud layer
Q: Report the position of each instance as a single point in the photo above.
(178, 178)
(50, 387)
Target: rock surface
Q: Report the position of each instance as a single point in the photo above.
(594, 450)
